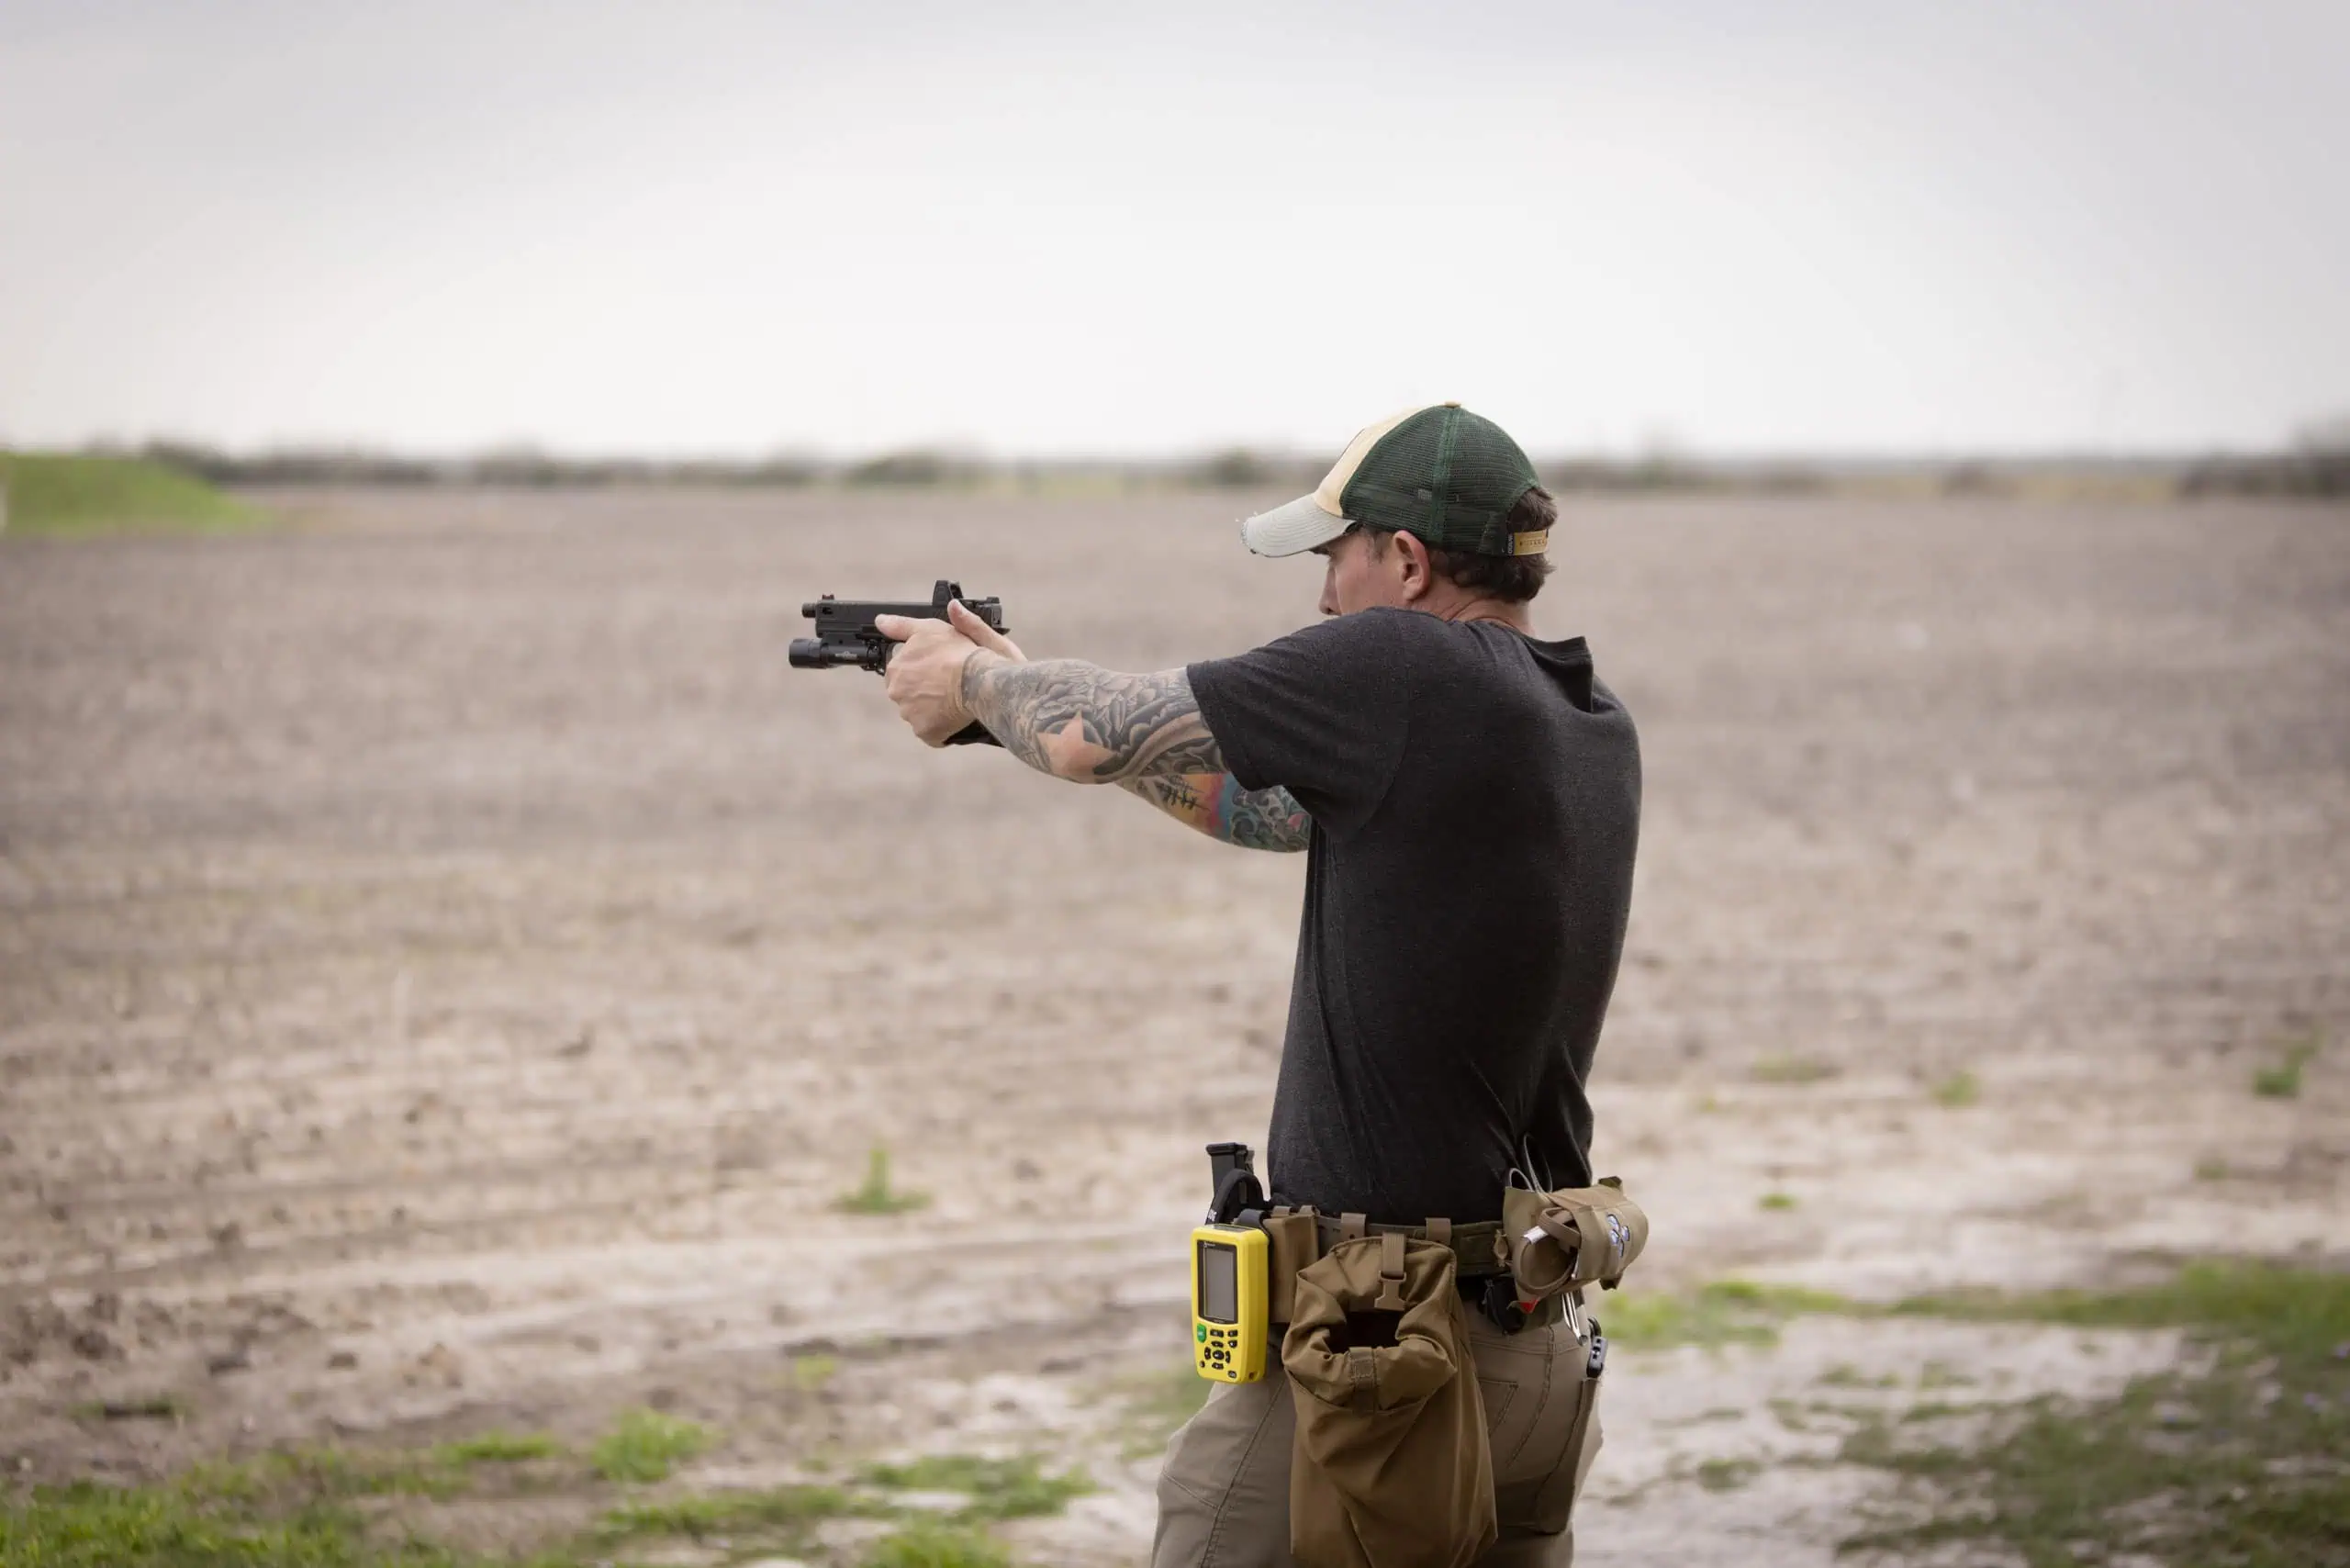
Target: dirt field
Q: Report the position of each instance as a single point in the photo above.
(450, 965)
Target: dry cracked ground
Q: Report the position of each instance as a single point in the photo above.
(451, 969)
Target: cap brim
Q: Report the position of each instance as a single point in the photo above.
(1291, 530)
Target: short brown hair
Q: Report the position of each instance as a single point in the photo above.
(1513, 579)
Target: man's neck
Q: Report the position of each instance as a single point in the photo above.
(1447, 603)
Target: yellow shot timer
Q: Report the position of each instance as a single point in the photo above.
(1231, 1298)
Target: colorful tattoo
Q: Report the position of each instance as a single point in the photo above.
(1215, 805)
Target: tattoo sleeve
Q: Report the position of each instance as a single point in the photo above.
(1080, 721)
(1216, 805)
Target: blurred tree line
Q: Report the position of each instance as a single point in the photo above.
(2317, 464)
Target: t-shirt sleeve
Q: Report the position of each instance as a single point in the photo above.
(1321, 712)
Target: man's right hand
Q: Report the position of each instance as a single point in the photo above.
(925, 674)
(985, 635)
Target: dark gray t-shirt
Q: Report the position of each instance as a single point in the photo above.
(1476, 800)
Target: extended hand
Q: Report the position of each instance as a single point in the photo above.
(925, 674)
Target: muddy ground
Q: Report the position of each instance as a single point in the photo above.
(450, 967)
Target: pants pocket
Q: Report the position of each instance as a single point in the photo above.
(1541, 1416)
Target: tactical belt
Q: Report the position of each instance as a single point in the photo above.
(1299, 1237)
(1527, 1269)
(1473, 1253)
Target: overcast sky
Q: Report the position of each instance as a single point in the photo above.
(1084, 228)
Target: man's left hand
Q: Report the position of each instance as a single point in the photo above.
(925, 675)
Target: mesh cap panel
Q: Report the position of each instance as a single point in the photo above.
(1445, 475)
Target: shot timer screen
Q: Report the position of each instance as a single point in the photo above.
(1219, 1283)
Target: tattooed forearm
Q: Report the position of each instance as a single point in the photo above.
(1216, 805)
(1080, 721)
(1178, 798)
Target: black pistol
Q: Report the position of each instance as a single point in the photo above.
(846, 635)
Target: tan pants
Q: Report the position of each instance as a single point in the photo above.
(1223, 1496)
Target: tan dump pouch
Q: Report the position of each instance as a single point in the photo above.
(1571, 1238)
(1390, 1467)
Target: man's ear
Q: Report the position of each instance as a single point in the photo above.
(1414, 575)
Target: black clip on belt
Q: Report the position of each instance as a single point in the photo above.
(1501, 1303)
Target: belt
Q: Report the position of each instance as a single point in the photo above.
(1476, 1249)
(1481, 1264)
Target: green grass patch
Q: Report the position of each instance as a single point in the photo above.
(929, 1544)
(496, 1448)
(88, 1526)
(1844, 1374)
(1013, 1488)
(1934, 1410)
(1942, 1374)
(2244, 1463)
(806, 1374)
(351, 1473)
(782, 1518)
(1727, 1312)
(645, 1446)
(63, 495)
(2292, 1313)
(875, 1195)
(1727, 1475)
(1778, 1202)
(2283, 1081)
(1958, 1090)
(276, 1511)
(134, 1407)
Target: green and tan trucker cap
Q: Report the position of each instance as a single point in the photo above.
(1442, 472)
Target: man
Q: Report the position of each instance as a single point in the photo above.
(1468, 796)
